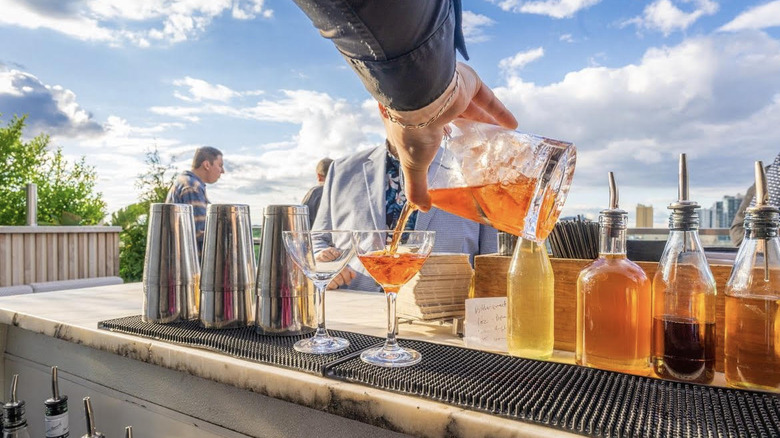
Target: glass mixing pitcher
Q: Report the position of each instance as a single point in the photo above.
(513, 181)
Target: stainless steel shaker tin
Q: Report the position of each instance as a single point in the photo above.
(285, 296)
(227, 270)
(171, 269)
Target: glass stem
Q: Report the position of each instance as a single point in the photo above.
(319, 304)
(392, 322)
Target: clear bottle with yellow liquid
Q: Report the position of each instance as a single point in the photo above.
(613, 302)
(752, 341)
(530, 302)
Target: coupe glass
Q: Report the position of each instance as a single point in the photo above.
(321, 255)
(391, 269)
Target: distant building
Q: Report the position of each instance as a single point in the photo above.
(644, 216)
(721, 214)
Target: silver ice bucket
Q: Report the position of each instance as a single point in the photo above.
(171, 269)
(227, 271)
(285, 296)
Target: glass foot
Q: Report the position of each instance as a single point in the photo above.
(397, 357)
(321, 345)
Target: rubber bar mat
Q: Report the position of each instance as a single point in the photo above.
(572, 398)
(244, 343)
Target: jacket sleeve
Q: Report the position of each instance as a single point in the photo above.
(737, 230)
(403, 50)
(488, 239)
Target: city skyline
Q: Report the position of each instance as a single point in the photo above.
(110, 80)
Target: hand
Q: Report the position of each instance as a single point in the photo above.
(344, 278)
(328, 254)
(417, 147)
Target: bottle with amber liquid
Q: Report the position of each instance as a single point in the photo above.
(752, 342)
(530, 302)
(613, 302)
(684, 297)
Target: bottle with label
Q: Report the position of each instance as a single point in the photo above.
(684, 297)
(90, 416)
(14, 420)
(530, 302)
(752, 341)
(55, 417)
(613, 302)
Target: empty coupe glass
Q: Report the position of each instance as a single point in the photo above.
(321, 255)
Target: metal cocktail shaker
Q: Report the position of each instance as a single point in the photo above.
(171, 269)
(285, 296)
(227, 270)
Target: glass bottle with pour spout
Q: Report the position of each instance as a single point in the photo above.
(14, 418)
(752, 340)
(530, 300)
(90, 417)
(513, 181)
(613, 301)
(684, 297)
(56, 413)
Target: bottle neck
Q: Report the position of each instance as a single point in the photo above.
(685, 240)
(612, 236)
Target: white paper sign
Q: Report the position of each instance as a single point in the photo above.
(485, 325)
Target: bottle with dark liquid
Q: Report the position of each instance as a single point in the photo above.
(613, 302)
(752, 342)
(684, 297)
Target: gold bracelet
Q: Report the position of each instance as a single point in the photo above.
(435, 117)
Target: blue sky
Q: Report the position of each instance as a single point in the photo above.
(632, 83)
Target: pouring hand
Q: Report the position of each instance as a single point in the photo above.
(469, 98)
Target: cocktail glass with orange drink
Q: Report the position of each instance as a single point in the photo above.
(391, 268)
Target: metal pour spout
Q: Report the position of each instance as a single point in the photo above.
(613, 192)
(682, 185)
(55, 388)
(762, 194)
(12, 397)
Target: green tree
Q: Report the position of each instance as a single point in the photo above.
(66, 194)
(154, 184)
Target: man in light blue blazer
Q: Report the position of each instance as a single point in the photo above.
(355, 197)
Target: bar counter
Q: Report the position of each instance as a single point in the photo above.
(164, 389)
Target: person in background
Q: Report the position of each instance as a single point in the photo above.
(363, 191)
(404, 53)
(737, 230)
(313, 196)
(190, 187)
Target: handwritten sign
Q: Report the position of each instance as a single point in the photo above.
(485, 326)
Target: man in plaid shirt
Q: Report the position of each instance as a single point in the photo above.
(190, 187)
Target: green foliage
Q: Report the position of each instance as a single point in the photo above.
(66, 194)
(154, 184)
(132, 244)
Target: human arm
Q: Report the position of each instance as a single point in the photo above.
(404, 52)
(737, 230)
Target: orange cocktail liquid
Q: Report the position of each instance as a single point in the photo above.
(501, 205)
(392, 270)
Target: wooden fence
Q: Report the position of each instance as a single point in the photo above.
(35, 254)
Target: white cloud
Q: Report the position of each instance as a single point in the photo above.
(552, 8)
(473, 27)
(200, 90)
(714, 97)
(664, 16)
(511, 65)
(566, 38)
(759, 17)
(138, 22)
(49, 108)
